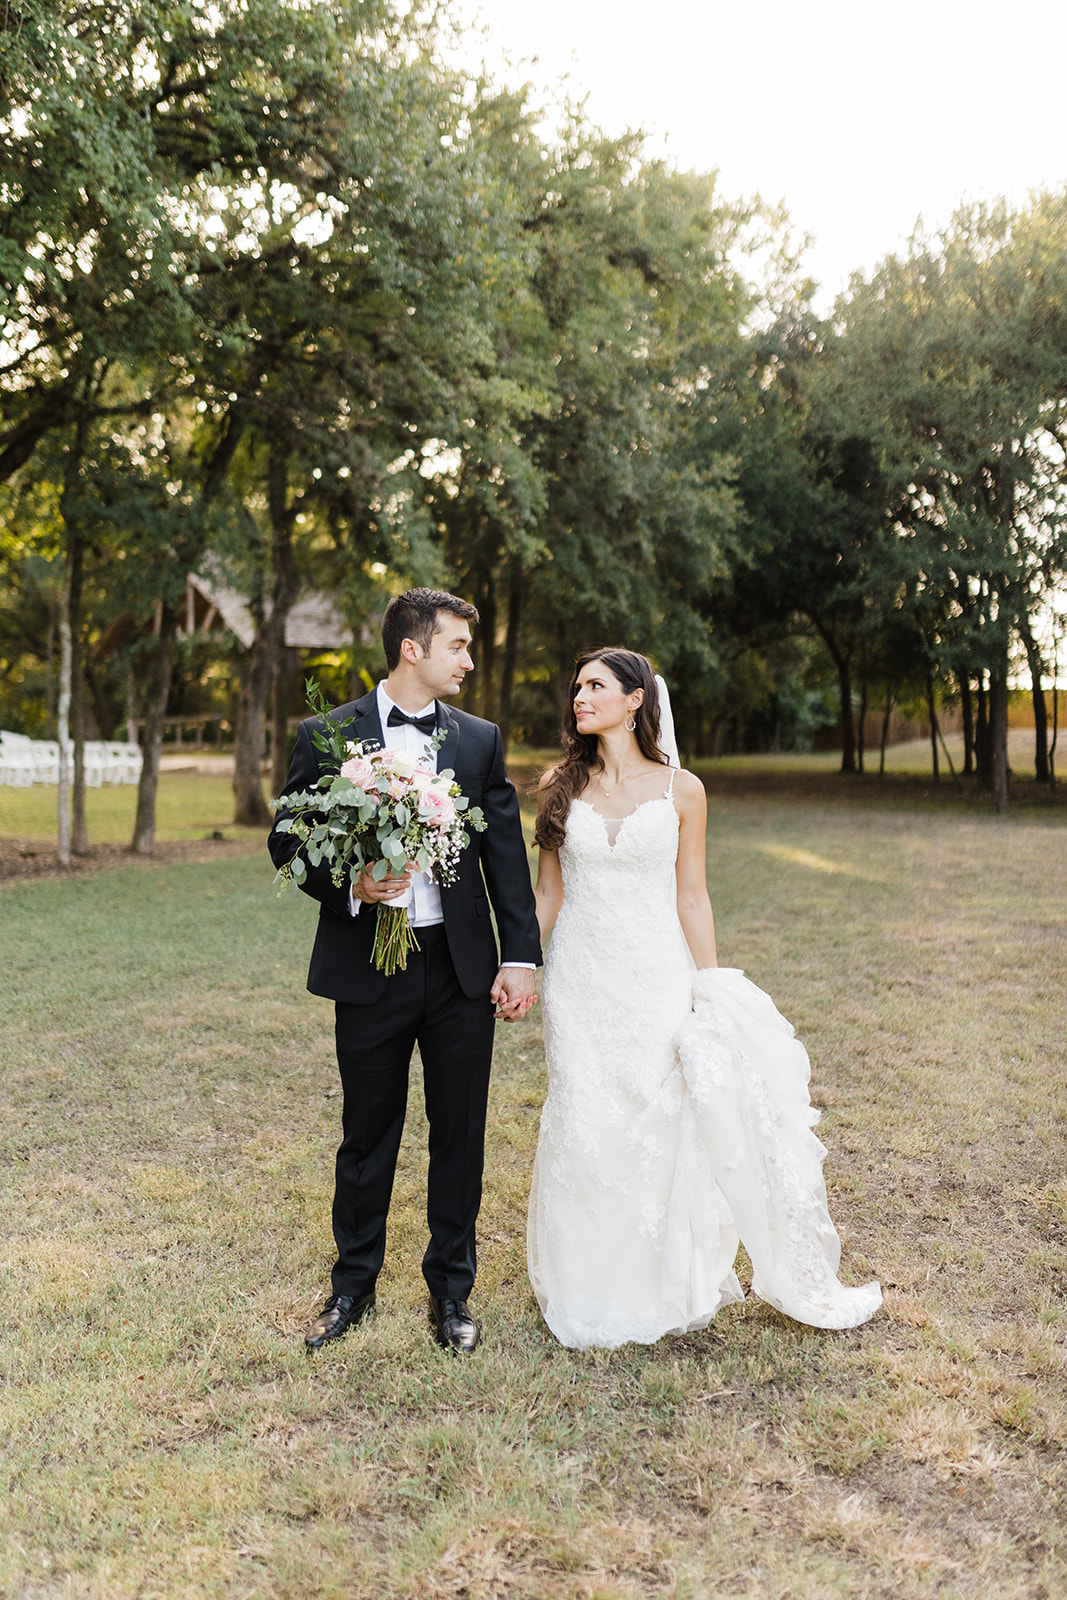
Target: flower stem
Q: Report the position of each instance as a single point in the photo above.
(393, 938)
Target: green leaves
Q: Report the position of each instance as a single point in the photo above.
(953, 359)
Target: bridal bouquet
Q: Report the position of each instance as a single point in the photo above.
(380, 809)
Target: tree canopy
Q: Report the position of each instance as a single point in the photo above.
(289, 299)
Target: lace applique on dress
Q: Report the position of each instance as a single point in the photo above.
(631, 1234)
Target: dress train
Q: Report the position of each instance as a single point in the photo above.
(677, 1119)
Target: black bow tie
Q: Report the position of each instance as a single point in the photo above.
(425, 724)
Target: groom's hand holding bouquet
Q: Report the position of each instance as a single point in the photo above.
(374, 817)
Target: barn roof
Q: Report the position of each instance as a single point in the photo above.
(314, 623)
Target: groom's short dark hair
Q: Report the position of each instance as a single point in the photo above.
(413, 615)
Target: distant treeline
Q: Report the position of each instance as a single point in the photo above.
(291, 300)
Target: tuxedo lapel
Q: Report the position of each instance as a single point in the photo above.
(366, 725)
(446, 755)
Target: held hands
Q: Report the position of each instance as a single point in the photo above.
(513, 993)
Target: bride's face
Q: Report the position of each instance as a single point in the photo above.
(600, 701)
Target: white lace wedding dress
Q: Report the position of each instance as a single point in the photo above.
(671, 1129)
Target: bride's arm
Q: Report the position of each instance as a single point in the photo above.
(548, 892)
(694, 907)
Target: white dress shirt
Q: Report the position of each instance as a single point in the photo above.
(423, 899)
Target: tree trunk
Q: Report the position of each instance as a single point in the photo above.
(257, 676)
(72, 837)
(250, 808)
(933, 726)
(889, 699)
(945, 748)
(1033, 661)
(998, 733)
(49, 686)
(144, 826)
(848, 727)
(66, 665)
(158, 689)
(79, 827)
(105, 717)
(564, 666)
(469, 697)
(843, 664)
(279, 742)
(1055, 723)
(982, 748)
(861, 731)
(487, 633)
(998, 677)
(131, 703)
(516, 590)
(967, 713)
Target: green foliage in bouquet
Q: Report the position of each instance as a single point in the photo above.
(377, 809)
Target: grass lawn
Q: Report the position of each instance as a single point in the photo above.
(167, 1129)
(192, 803)
(189, 804)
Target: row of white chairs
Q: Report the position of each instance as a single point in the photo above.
(25, 761)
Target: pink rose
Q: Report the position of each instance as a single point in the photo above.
(359, 771)
(436, 808)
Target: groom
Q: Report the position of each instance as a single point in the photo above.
(445, 1000)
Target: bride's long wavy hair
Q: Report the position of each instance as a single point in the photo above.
(581, 752)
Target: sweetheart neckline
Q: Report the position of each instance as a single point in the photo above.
(655, 801)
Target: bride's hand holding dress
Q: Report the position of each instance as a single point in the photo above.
(677, 1120)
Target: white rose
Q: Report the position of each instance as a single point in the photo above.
(404, 764)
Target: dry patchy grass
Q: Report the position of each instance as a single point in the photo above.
(166, 1139)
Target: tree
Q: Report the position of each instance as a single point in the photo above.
(369, 321)
(136, 139)
(638, 296)
(955, 360)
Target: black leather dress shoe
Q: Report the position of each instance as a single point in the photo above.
(340, 1313)
(453, 1326)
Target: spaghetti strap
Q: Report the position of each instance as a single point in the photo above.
(669, 794)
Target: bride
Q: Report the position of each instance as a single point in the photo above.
(677, 1120)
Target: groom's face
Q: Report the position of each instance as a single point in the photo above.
(443, 667)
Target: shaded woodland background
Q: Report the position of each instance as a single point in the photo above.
(293, 303)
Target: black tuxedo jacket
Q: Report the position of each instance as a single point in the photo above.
(493, 861)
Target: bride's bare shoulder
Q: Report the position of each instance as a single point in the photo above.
(688, 788)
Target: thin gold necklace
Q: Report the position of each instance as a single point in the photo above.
(605, 790)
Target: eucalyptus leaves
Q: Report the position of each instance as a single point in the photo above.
(380, 809)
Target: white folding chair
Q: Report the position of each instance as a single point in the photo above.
(95, 763)
(46, 760)
(19, 763)
(126, 761)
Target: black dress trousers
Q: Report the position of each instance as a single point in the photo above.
(424, 1005)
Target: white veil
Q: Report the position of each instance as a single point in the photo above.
(667, 741)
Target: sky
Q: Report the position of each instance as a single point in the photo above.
(859, 116)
